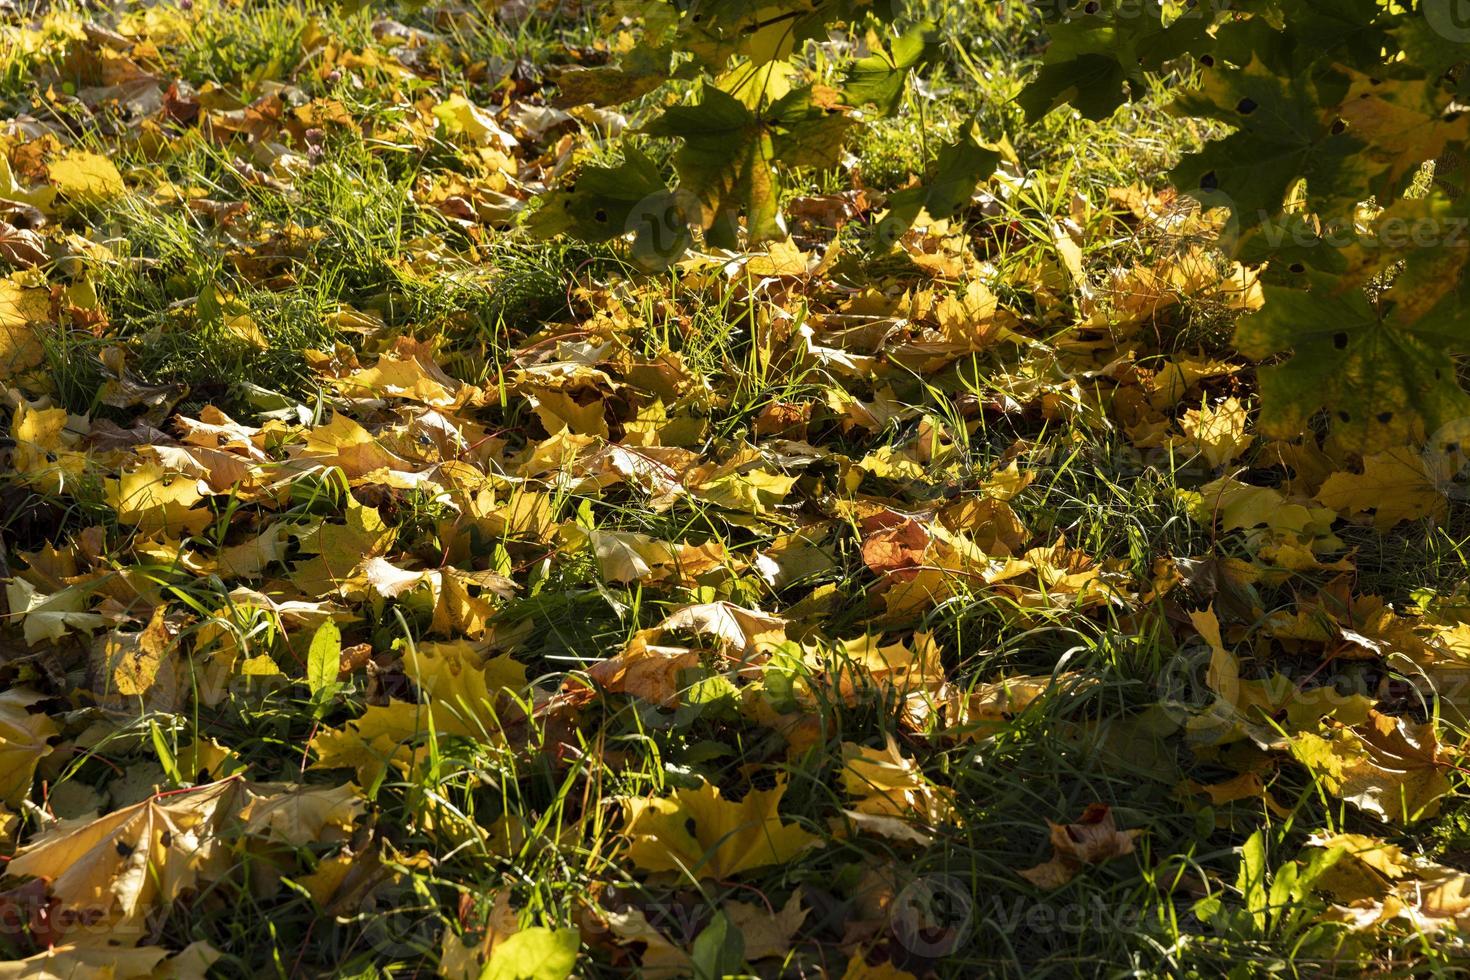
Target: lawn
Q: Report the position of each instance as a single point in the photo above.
(392, 590)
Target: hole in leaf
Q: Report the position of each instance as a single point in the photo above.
(1208, 61)
(1344, 416)
(1209, 181)
(1340, 340)
(601, 215)
(1385, 417)
(1246, 106)
(1339, 127)
(1297, 268)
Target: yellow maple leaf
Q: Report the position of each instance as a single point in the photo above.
(117, 868)
(647, 670)
(781, 258)
(46, 453)
(625, 556)
(345, 444)
(1392, 768)
(21, 310)
(138, 666)
(249, 558)
(50, 617)
(86, 178)
(340, 548)
(460, 116)
(1377, 883)
(455, 610)
(1395, 485)
(69, 960)
(305, 814)
(882, 782)
(408, 378)
(372, 742)
(752, 492)
(858, 968)
(155, 500)
(973, 320)
(23, 736)
(560, 412)
(739, 632)
(466, 694)
(766, 932)
(1218, 432)
(698, 833)
(470, 692)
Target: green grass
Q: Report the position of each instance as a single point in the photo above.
(349, 254)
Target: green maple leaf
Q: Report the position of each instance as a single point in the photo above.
(1284, 135)
(805, 132)
(641, 71)
(725, 163)
(536, 953)
(1096, 60)
(1344, 31)
(1427, 48)
(878, 80)
(1384, 380)
(1433, 267)
(603, 203)
(715, 31)
(958, 170)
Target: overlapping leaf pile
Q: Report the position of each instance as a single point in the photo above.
(690, 625)
(1342, 180)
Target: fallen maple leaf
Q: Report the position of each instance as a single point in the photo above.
(118, 868)
(696, 832)
(767, 932)
(115, 870)
(1396, 485)
(23, 736)
(1218, 432)
(1392, 768)
(1093, 839)
(882, 782)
